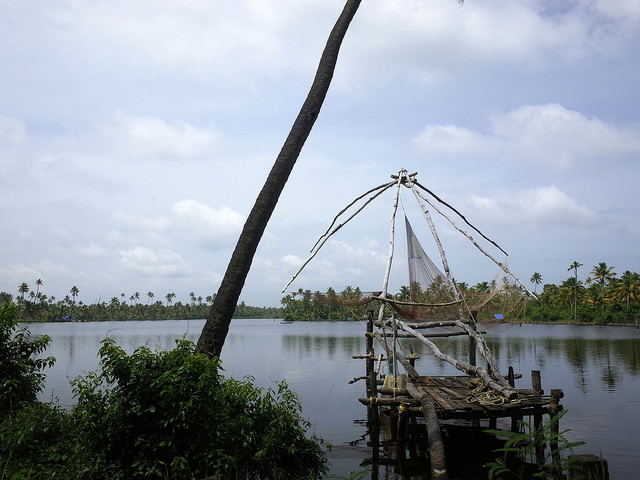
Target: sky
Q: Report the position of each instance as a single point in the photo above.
(135, 136)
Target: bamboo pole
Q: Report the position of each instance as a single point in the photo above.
(469, 237)
(382, 189)
(485, 352)
(387, 272)
(416, 325)
(324, 237)
(434, 435)
(506, 391)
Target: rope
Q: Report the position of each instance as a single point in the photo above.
(483, 396)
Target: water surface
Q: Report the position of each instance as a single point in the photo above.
(598, 368)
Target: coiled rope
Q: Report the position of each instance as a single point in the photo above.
(482, 395)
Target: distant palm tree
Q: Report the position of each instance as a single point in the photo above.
(38, 283)
(170, 297)
(150, 296)
(481, 287)
(603, 274)
(574, 266)
(569, 292)
(628, 287)
(22, 289)
(404, 293)
(74, 293)
(536, 279)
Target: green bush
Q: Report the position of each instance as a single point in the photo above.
(165, 415)
(172, 415)
(38, 442)
(21, 378)
(519, 457)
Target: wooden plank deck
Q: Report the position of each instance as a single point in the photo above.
(456, 397)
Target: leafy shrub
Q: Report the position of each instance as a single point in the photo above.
(38, 442)
(172, 415)
(519, 454)
(20, 372)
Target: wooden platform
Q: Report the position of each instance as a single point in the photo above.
(457, 397)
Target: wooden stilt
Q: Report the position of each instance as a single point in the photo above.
(436, 446)
(554, 409)
(472, 341)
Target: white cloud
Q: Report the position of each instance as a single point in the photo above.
(556, 137)
(12, 131)
(194, 214)
(211, 227)
(627, 10)
(223, 38)
(162, 262)
(152, 137)
(549, 135)
(452, 139)
(534, 209)
(236, 40)
(292, 261)
(93, 251)
(140, 223)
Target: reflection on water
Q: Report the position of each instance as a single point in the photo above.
(325, 346)
(597, 368)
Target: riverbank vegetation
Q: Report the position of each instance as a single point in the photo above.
(36, 306)
(164, 414)
(603, 298)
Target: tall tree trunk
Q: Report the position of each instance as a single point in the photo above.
(216, 327)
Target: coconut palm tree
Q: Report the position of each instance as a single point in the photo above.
(603, 273)
(169, 297)
(627, 289)
(74, 293)
(150, 296)
(22, 289)
(404, 293)
(574, 266)
(536, 279)
(216, 327)
(569, 292)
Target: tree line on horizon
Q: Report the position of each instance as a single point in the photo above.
(603, 297)
(35, 305)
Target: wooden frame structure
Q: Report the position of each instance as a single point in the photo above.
(475, 398)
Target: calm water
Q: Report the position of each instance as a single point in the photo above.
(598, 369)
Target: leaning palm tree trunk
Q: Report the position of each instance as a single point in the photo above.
(216, 327)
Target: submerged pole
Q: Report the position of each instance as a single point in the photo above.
(434, 435)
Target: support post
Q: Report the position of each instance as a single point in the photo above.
(434, 435)
(369, 345)
(472, 341)
(403, 417)
(536, 386)
(554, 409)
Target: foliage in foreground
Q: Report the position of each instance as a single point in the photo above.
(520, 452)
(165, 415)
(21, 378)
